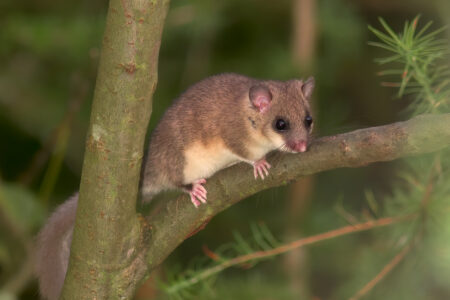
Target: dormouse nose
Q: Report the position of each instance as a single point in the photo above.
(299, 146)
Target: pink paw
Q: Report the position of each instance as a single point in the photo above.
(260, 168)
(198, 192)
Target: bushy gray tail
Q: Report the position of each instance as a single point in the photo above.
(53, 249)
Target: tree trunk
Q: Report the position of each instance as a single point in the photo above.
(106, 259)
(300, 192)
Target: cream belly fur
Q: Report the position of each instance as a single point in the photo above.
(203, 160)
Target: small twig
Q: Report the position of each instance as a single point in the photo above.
(211, 254)
(435, 169)
(288, 247)
(387, 268)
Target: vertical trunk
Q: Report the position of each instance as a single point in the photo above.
(304, 45)
(304, 34)
(106, 258)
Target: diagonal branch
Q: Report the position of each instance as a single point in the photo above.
(384, 272)
(177, 219)
(240, 260)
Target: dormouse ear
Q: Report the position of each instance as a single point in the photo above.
(260, 97)
(308, 87)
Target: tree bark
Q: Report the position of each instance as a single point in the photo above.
(107, 249)
(177, 219)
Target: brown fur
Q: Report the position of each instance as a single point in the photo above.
(218, 109)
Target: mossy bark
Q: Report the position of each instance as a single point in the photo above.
(106, 254)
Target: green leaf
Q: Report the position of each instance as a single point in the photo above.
(383, 37)
(390, 31)
(389, 59)
(259, 238)
(383, 46)
(424, 29)
(370, 198)
(241, 245)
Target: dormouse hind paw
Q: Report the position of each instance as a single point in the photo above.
(198, 192)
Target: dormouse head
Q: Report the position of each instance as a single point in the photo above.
(284, 111)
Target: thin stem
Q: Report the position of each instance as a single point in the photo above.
(386, 270)
(286, 248)
(56, 161)
(424, 81)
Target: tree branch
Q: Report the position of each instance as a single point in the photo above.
(176, 220)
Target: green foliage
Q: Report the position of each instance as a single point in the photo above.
(422, 63)
(423, 189)
(246, 285)
(183, 284)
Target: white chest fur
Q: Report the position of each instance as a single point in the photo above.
(259, 145)
(203, 160)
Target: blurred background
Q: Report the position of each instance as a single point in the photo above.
(49, 52)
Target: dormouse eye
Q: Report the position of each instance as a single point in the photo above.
(308, 121)
(281, 125)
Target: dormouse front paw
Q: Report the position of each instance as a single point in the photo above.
(261, 167)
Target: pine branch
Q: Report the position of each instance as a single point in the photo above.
(423, 61)
(239, 260)
(175, 220)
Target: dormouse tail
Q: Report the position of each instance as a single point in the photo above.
(151, 185)
(53, 249)
(148, 192)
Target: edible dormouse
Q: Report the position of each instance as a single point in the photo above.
(223, 120)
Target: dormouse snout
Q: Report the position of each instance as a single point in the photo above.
(298, 146)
